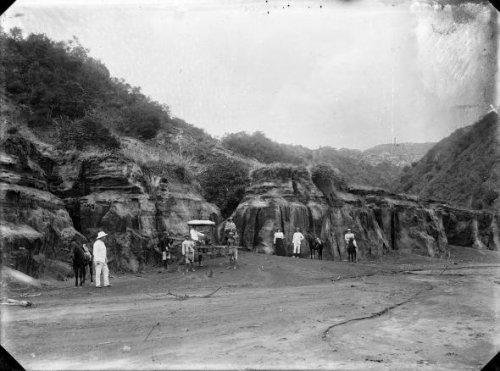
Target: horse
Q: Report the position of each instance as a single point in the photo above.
(79, 263)
(315, 244)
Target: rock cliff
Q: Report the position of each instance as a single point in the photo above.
(53, 200)
(34, 222)
(288, 197)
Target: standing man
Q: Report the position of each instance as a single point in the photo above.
(279, 242)
(319, 247)
(100, 260)
(166, 244)
(187, 249)
(352, 246)
(229, 231)
(297, 241)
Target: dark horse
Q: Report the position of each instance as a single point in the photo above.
(315, 244)
(79, 263)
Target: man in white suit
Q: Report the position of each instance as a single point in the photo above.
(101, 260)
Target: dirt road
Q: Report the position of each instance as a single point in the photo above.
(271, 312)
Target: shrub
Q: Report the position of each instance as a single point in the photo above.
(324, 176)
(85, 133)
(263, 149)
(224, 182)
(142, 120)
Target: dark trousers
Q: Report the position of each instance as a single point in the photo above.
(79, 270)
(279, 247)
(351, 254)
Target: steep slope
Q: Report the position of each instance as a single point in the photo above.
(460, 169)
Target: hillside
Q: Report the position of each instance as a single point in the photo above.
(399, 154)
(460, 169)
(349, 162)
(81, 151)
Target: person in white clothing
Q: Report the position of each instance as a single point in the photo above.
(351, 246)
(187, 250)
(100, 260)
(195, 235)
(297, 241)
(278, 242)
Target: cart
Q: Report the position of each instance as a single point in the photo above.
(206, 245)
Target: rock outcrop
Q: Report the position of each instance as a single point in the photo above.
(287, 198)
(34, 223)
(49, 203)
(113, 194)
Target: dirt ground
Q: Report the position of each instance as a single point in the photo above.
(400, 312)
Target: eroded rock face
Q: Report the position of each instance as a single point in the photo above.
(114, 195)
(35, 225)
(471, 228)
(287, 199)
(51, 203)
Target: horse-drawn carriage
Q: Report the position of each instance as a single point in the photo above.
(204, 233)
(206, 242)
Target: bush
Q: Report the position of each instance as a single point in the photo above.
(142, 120)
(263, 149)
(86, 133)
(223, 183)
(324, 176)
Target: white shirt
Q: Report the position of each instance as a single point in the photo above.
(187, 247)
(99, 252)
(348, 236)
(278, 235)
(297, 238)
(195, 235)
(229, 226)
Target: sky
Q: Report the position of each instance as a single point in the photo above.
(337, 73)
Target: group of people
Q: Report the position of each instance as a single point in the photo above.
(195, 239)
(315, 244)
(188, 248)
(97, 261)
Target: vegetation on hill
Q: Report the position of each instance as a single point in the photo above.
(71, 101)
(354, 168)
(223, 183)
(59, 88)
(261, 148)
(400, 154)
(357, 170)
(460, 169)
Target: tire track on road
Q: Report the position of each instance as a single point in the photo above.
(393, 306)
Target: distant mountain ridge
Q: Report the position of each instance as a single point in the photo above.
(460, 169)
(399, 154)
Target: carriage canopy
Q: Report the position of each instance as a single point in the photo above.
(196, 222)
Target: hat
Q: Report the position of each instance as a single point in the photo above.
(101, 234)
(348, 229)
